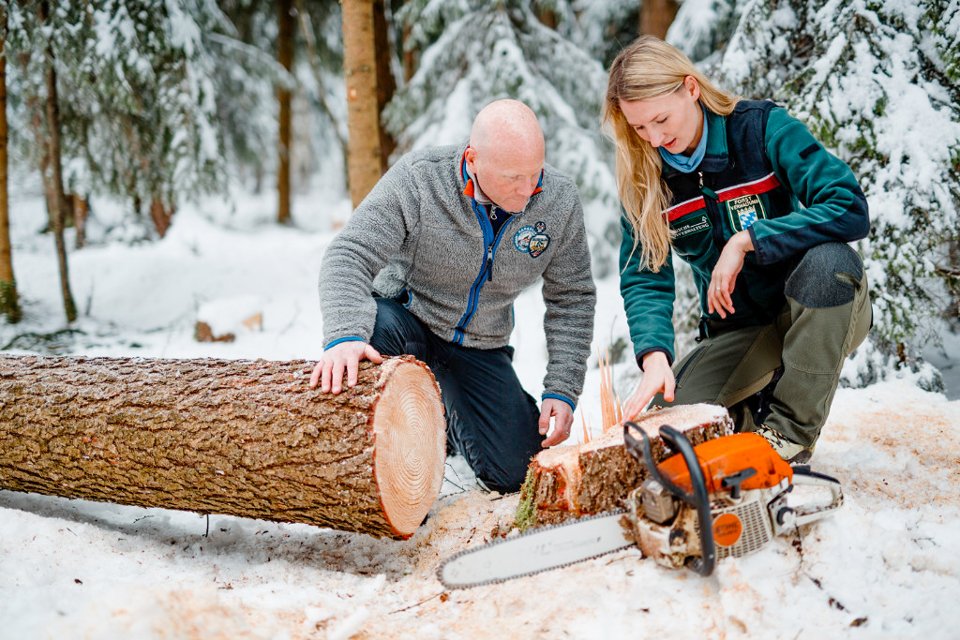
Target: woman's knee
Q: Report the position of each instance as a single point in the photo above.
(827, 276)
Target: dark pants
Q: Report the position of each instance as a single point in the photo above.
(794, 363)
(491, 420)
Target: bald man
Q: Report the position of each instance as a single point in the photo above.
(430, 264)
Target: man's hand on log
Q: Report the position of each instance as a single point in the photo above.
(657, 378)
(344, 357)
(563, 420)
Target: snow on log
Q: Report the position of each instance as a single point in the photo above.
(238, 437)
(576, 480)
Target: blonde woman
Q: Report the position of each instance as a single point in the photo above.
(761, 212)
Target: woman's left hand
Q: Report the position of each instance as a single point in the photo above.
(724, 278)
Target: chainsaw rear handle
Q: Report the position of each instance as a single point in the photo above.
(698, 498)
(802, 475)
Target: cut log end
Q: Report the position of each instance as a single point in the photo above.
(410, 437)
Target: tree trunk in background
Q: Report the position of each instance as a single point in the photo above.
(244, 438)
(81, 210)
(9, 302)
(950, 272)
(363, 116)
(410, 55)
(656, 16)
(161, 214)
(53, 177)
(577, 480)
(310, 40)
(549, 18)
(386, 84)
(285, 38)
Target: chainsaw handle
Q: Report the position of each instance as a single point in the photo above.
(638, 448)
(802, 475)
(698, 498)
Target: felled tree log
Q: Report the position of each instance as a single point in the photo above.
(577, 480)
(237, 437)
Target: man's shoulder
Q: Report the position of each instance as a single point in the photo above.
(427, 158)
(421, 167)
(559, 188)
(555, 176)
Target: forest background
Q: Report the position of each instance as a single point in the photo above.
(164, 162)
(122, 113)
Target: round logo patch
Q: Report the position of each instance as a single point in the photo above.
(532, 240)
(727, 529)
(521, 239)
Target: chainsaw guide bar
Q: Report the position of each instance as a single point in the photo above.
(541, 549)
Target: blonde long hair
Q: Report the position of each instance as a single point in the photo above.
(649, 68)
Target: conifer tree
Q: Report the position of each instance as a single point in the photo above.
(321, 26)
(138, 97)
(605, 27)
(703, 28)
(360, 71)
(287, 23)
(878, 84)
(656, 16)
(33, 28)
(9, 302)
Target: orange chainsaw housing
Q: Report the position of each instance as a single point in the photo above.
(728, 456)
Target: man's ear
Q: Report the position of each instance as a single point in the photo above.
(471, 157)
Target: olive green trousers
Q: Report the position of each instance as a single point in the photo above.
(826, 317)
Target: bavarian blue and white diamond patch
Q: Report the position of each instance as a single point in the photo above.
(745, 211)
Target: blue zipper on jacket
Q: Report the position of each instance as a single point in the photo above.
(486, 269)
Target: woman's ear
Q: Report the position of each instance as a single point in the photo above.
(692, 87)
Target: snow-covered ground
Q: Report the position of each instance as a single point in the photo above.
(887, 565)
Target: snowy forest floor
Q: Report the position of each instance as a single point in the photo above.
(886, 565)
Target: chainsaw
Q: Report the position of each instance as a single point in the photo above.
(726, 497)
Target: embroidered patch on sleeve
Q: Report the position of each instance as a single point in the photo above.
(745, 211)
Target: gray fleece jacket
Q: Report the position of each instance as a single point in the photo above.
(418, 233)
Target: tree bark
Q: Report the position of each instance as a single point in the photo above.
(9, 301)
(244, 438)
(386, 83)
(287, 27)
(656, 16)
(161, 214)
(53, 177)
(577, 480)
(81, 211)
(548, 18)
(410, 55)
(363, 116)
